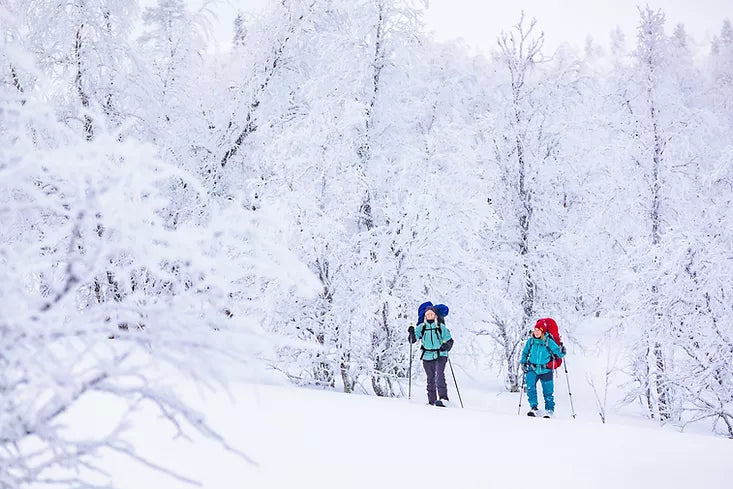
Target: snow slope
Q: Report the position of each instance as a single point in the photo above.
(308, 438)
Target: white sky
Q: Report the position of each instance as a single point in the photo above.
(479, 22)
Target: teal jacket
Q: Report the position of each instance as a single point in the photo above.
(435, 336)
(538, 352)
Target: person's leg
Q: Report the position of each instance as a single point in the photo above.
(548, 389)
(430, 367)
(531, 378)
(440, 378)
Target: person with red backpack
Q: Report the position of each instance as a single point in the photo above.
(436, 343)
(542, 354)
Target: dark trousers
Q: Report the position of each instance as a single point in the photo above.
(435, 370)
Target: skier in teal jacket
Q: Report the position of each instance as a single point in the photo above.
(436, 342)
(537, 353)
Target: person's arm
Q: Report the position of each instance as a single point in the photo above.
(525, 353)
(447, 343)
(556, 350)
(411, 334)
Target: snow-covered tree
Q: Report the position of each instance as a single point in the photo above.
(100, 296)
(531, 200)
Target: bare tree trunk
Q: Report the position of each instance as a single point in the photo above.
(525, 219)
(511, 349)
(348, 381)
(108, 107)
(663, 394)
(521, 51)
(322, 371)
(344, 355)
(382, 344)
(17, 84)
(366, 218)
(88, 122)
(660, 365)
(364, 151)
(648, 385)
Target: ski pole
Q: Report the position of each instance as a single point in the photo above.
(454, 381)
(409, 373)
(570, 394)
(521, 392)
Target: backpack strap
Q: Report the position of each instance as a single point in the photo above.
(422, 335)
(440, 330)
(547, 345)
(529, 352)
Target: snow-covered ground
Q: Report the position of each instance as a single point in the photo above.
(308, 438)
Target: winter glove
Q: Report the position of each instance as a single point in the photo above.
(563, 349)
(447, 345)
(411, 334)
(525, 367)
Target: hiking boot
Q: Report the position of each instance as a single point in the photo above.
(439, 403)
(533, 411)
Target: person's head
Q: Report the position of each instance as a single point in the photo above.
(539, 329)
(430, 314)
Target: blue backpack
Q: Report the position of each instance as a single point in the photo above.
(441, 309)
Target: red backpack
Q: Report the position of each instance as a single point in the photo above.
(551, 327)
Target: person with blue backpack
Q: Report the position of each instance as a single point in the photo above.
(436, 342)
(538, 356)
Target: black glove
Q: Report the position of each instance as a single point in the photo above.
(563, 349)
(525, 367)
(447, 345)
(411, 334)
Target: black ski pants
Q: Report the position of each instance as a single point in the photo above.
(435, 370)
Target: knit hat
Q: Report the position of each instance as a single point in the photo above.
(541, 325)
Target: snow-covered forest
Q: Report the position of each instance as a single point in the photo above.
(286, 205)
